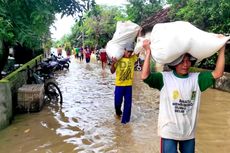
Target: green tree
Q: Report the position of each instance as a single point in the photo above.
(208, 15)
(76, 36)
(98, 26)
(27, 22)
(139, 10)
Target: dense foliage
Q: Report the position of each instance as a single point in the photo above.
(27, 22)
(97, 27)
(99, 23)
(138, 10)
(208, 15)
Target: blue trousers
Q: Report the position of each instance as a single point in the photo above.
(170, 146)
(126, 93)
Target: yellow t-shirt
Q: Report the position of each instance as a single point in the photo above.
(125, 71)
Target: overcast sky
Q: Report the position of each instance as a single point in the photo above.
(63, 26)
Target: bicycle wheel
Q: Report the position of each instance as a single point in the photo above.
(53, 93)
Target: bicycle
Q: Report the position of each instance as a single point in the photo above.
(52, 91)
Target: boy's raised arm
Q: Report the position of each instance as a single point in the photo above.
(220, 63)
(146, 66)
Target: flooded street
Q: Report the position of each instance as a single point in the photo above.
(86, 123)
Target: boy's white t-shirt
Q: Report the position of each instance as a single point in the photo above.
(180, 103)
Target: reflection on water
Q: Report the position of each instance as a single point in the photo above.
(86, 122)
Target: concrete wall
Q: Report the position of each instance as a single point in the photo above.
(5, 104)
(8, 91)
(223, 83)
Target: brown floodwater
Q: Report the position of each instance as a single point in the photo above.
(86, 122)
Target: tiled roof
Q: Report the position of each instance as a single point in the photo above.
(159, 17)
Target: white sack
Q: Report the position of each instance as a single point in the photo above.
(140, 50)
(171, 40)
(139, 45)
(126, 32)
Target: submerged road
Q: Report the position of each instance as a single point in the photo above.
(86, 123)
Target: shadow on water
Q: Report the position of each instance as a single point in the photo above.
(86, 121)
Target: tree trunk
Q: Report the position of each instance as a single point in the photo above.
(4, 53)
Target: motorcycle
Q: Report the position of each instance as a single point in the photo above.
(64, 62)
(58, 62)
(138, 65)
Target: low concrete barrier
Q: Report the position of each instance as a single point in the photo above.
(5, 104)
(223, 83)
(8, 91)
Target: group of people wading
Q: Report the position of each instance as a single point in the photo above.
(91, 54)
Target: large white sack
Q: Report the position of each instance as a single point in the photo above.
(171, 40)
(126, 32)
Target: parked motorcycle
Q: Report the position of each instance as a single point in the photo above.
(58, 62)
(64, 62)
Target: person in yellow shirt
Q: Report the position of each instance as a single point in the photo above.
(124, 69)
